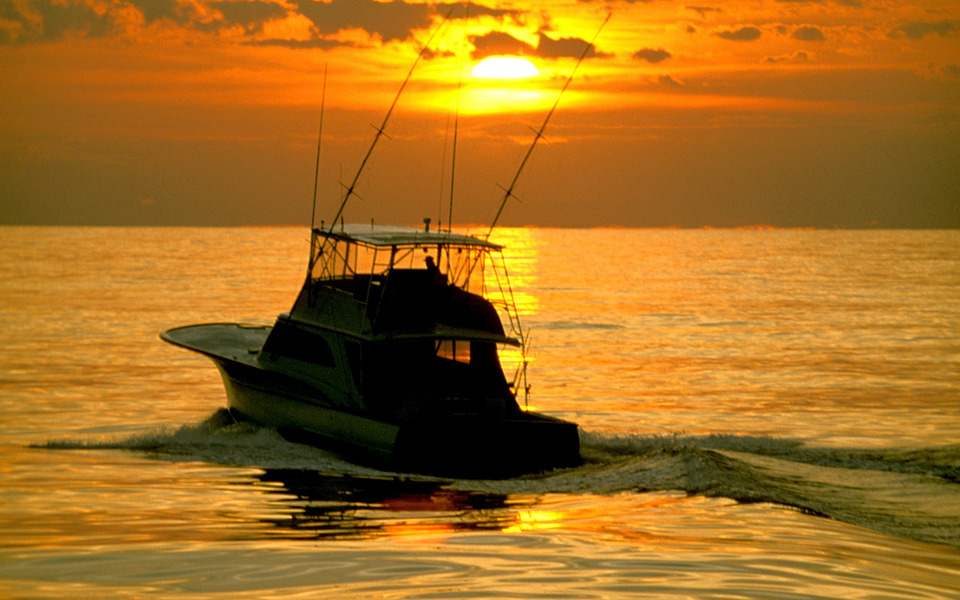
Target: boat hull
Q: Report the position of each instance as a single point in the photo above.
(444, 445)
(455, 446)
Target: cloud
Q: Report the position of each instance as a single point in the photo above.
(704, 10)
(47, 21)
(920, 29)
(808, 33)
(250, 15)
(744, 34)
(390, 21)
(156, 10)
(669, 81)
(52, 20)
(572, 47)
(946, 72)
(312, 44)
(850, 3)
(796, 57)
(498, 42)
(652, 56)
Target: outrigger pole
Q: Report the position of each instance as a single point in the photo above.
(316, 173)
(380, 130)
(456, 122)
(508, 192)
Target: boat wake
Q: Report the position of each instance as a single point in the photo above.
(221, 440)
(912, 493)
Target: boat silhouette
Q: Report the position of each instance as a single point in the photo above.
(390, 355)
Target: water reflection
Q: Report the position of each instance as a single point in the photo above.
(522, 254)
(311, 504)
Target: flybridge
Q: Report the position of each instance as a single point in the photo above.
(391, 278)
(383, 252)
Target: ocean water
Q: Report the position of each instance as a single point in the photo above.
(764, 413)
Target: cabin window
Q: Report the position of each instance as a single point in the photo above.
(298, 344)
(458, 350)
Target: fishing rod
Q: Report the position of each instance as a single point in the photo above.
(316, 173)
(456, 121)
(316, 179)
(381, 129)
(508, 192)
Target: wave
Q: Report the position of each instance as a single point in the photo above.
(577, 325)
(912, 493)
(220, 439)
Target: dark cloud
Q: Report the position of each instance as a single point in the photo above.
(313, 44)
(808, 34)
(47, 20)
(478, 10)
(390, 21)
(919, 29)
(51, 21)
(744, 34)
(59, 19)
(156, 10)
(704, 10)
(668, 81)
(497, 42)
(548, 47)
(652, 56)
(851, 3)
(250, 15)
(796, 57)
(14, 25)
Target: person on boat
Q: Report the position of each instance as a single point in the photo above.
(437, 278)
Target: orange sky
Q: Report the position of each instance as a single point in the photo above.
(197, 112)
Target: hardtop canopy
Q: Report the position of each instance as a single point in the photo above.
(403, 236)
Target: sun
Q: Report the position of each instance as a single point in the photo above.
(504, 67)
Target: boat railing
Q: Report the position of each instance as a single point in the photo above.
(405, 283)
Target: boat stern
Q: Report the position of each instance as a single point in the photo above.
(489, 449)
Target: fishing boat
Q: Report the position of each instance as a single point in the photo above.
(390, 354)
(392, 350)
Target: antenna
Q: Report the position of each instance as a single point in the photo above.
(539, 134)
(316, 173)
(380, 130)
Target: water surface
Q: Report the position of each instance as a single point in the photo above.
(764, 414)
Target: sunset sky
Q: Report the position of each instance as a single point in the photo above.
(790, 113)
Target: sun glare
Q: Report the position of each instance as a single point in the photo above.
(504, 67)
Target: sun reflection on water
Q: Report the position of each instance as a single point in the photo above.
(536, 520)
(521, 253)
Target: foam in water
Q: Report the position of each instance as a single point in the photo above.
(909, 492)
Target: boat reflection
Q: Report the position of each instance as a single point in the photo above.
(312, 504)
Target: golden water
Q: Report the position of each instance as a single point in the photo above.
(765, 414)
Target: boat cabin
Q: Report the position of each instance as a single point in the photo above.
(413, 317)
